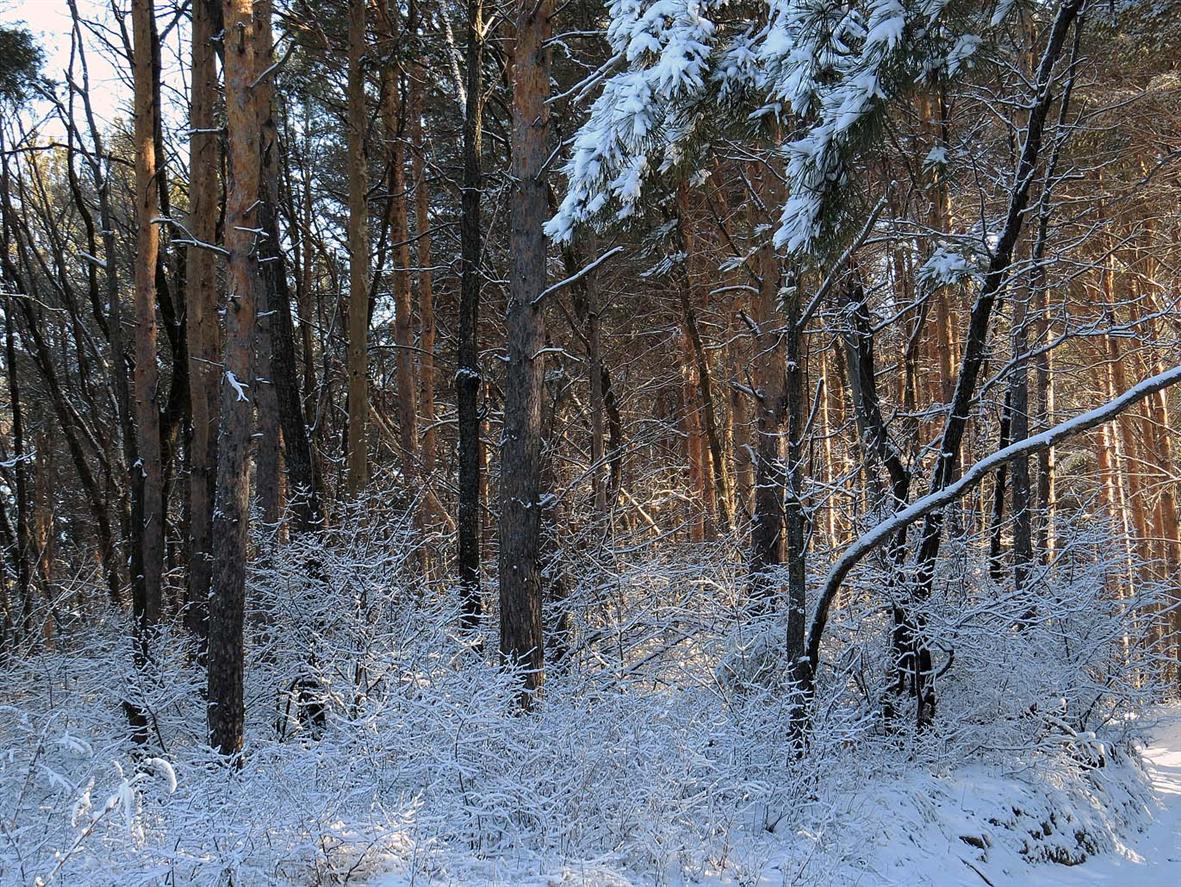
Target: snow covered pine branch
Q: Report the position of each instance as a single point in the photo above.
(823, 71)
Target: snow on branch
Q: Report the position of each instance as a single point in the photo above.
(666, 47)
(825, 70)
(238, 386)
(934, 501)
(189, 239)
(577, 275)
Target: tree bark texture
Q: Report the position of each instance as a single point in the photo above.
(521, 643)
(467, 374)
(204, 329)
(226, 711)
(146, 588)
(358, 240)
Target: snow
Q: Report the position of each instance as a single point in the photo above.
(238, 386)
(94, 260)
(975, 826)
(962, 52)
(937, 156)
(946, 267)
(837, 67)
(667, 46)
(1151, 858)
(663, 758)
(978, 471)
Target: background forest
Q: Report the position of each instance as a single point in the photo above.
(653, 441)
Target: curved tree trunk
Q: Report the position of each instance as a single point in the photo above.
(976, 341)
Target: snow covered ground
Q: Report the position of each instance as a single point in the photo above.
(656, 768)
(1146, 852)
(963, 829)
(1151, 858)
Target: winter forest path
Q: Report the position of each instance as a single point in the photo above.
(1151, 858)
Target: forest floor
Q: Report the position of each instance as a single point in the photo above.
(1147, 854)
(921, 829)
(663, 778)
(1151, 858)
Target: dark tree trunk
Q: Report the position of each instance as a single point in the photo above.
(467, 374)
(975, 344)
(585, 299)
(146, 598)
(231, 523)
(358, 301)
(996, 565)
(21, 546)
(689, 298)
(201, 316)
(521, 642)
(434, 514)
(794, 518)
(393, 112)
(1017, 397)
(770, 380)
(871, 427)
(304, 492)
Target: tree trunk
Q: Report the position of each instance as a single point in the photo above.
(146, 588)
(585, 298)
(976, 340)
(227, 610)
(305, 495)
(22, 548)
(1107, 457)
(689, 297)
(933, 109)
(742, 450)
(267, 481)
(794, 518)
(1127, 446)
(877, 444)
(996, 564)
(1020, 486)
(393, 114)
(426, 296)
(44, 537)
(698, 501)
(770, 379)
(1126, 465)
(133, 551)
(1044, 418)
(201, 314)
(467, 373)
(1166, 508)
(521, 644)
(358, 237)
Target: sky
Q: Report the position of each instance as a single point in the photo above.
(49, 22)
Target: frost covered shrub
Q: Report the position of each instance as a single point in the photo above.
(1016, 671)
(1051, 664)
(379, 737)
